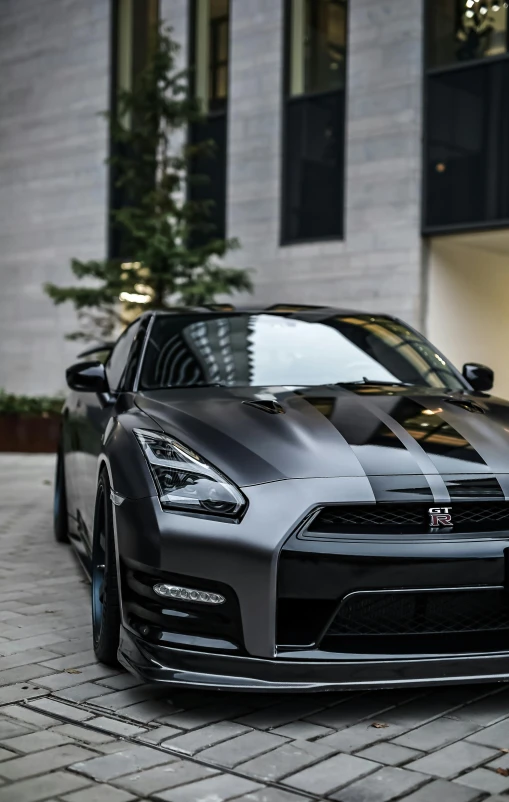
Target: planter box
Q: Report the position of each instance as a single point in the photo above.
(29, 434)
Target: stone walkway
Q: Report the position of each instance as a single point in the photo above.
(75, 731)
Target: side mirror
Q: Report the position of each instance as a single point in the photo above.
(478, 376)
(87, 377)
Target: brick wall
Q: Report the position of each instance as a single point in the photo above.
(54, 63)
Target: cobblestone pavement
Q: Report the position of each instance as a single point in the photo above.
(75, 731)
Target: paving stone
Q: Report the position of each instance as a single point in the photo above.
(331, 774)
(111, 700)
(272, 795)
(452, 760)
(283, 713)
(286, 759)
(13, 647)
(26, 658)
(142, 711)
(302, 730)
(116, 727)
(46, 761)
(485, 711)
(18, 692)
(108, 767)
(83, 734)
(425, 708)
(356, 707)
(382, 786)
(28, 716)
(163, 777)
(6, 754)
(121, 682)
(61, 709)
(496, 736)
(37, 788)
(389, 753)
(237, 750)
(485, 780)
(201, 717)
(35, 741)
(76, 660)
(24, 673)
(358, 736)
(158, 735)
(99, 793)
(443, 791)
(436, 734)
(10, 729)
(79, 693)
(215, 789)
(194, 741)
(65, 680)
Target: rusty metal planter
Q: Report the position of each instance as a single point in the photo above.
(29, 433)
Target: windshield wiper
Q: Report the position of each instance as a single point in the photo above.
(184, 386)
(381, 382)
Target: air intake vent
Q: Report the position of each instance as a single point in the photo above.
(266, 405)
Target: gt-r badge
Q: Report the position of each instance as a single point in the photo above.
(440, 516)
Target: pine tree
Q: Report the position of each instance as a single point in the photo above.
(174, 257)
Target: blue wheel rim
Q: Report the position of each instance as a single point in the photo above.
(99, 569)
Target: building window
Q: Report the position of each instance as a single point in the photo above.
(314, 120)
(134, 24)
(465, 30)
(467, 115)
(210, 34)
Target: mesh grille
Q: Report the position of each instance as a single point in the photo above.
(422, 613)
(409, 518)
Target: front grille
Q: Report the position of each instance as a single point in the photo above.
(422, 612)
(408, 518)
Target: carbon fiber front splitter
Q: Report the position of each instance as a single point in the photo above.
(319, 671)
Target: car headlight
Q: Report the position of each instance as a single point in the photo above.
(184, 480)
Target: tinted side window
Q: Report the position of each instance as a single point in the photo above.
(117, 361)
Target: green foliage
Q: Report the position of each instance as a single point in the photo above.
(26, 405)
(174, 258)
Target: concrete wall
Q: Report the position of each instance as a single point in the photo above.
(468, 299)
(378, 265)
(54, 63)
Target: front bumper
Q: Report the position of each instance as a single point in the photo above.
(303, 672)
(248, 558)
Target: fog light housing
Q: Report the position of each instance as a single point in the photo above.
(188, 594)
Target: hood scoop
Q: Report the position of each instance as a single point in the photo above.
(465, 403)
(266, 405)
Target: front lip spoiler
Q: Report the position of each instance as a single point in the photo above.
(179, 667)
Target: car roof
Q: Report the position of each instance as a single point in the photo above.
(284, 309)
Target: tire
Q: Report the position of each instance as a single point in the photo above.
(60, 522)
(105, 594)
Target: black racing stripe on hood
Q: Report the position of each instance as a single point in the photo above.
(436, 435)
(489, 440)
(381, 444)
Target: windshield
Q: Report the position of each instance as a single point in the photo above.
(238, 350)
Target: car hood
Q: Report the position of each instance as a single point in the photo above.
(257, 435)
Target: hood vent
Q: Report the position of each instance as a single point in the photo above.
(465, 403)
(266, 405)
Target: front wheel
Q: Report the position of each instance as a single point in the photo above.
(105, 595)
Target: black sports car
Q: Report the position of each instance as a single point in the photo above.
(295, 498)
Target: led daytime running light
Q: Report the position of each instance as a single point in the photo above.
(188, 594)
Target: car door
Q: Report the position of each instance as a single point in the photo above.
(91, 416)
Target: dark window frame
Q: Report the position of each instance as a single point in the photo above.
(285, 102)
(218, 114)
(113, 193)
(428, 72)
